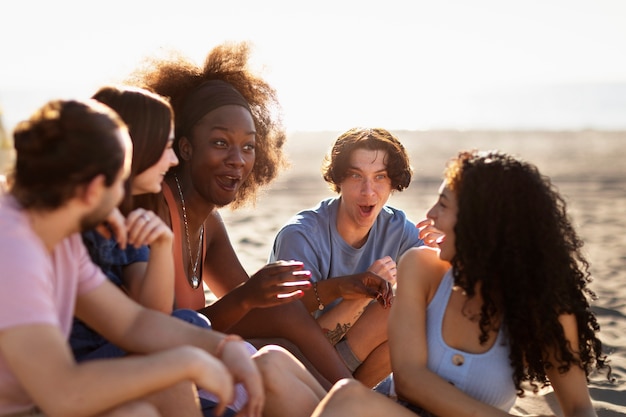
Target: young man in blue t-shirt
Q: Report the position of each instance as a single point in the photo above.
(350, 243)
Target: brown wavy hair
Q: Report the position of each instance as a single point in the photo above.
(514, 236)
(175, 76)
(149, 118)
(63, 145)
(337, 163)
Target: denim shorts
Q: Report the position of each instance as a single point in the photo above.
(386, 387)
(208, 408)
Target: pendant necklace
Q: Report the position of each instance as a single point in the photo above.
(194, 281)
(465, 310)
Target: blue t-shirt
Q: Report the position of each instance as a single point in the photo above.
(111, 259)
(311, 236)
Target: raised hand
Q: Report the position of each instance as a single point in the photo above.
(385, 268)
(428, 232)
(114, 225)
(146, 228)
(277, 283)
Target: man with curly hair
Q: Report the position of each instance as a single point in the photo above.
(350, 244)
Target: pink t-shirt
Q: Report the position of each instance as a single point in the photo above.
(36, 287)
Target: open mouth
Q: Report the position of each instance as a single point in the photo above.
(229, 182)
(366, 210)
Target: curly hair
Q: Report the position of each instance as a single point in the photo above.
(176, 76)
(337, 163)
(514, 236)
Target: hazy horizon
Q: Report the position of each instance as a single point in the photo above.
(418, 65)
(590, 106)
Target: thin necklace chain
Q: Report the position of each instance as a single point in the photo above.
(195, 280)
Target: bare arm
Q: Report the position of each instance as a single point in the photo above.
(571, 387)
(357, 292)
(274, 284)
(60, 387)
(363, 287)
(289, 320)
(140, 330)
(151, 283)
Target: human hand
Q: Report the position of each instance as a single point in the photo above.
(385, 268)
(210, 374)
(366, 284)
(235, 355)
(277, 283)
(146, 228)
(429, 233)
(114, 224)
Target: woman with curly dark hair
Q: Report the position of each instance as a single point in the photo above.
(502, 301)
(228, 139)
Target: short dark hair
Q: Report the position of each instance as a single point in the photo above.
(337, 163)
(65, 144)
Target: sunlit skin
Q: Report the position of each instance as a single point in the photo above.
(364, 192)
(112, 195)
(443, 217)
(218, 158)
(225, 140)
(151, 180)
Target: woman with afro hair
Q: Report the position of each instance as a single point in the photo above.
(229, 140)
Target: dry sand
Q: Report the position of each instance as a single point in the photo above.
(587, 167)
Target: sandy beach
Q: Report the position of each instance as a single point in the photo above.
(586, 166)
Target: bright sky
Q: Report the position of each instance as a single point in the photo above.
(413, 64)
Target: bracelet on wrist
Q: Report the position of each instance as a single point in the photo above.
(222, 344)
(320, 305)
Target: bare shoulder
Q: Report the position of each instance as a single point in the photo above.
(420, 267)
(423, 259)
(219, 248)
(214, 227)
(421, 253)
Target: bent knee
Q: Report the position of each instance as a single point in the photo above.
(274, 364)
(347, 388)
(273, 356)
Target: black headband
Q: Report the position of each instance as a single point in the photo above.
(206, 97)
